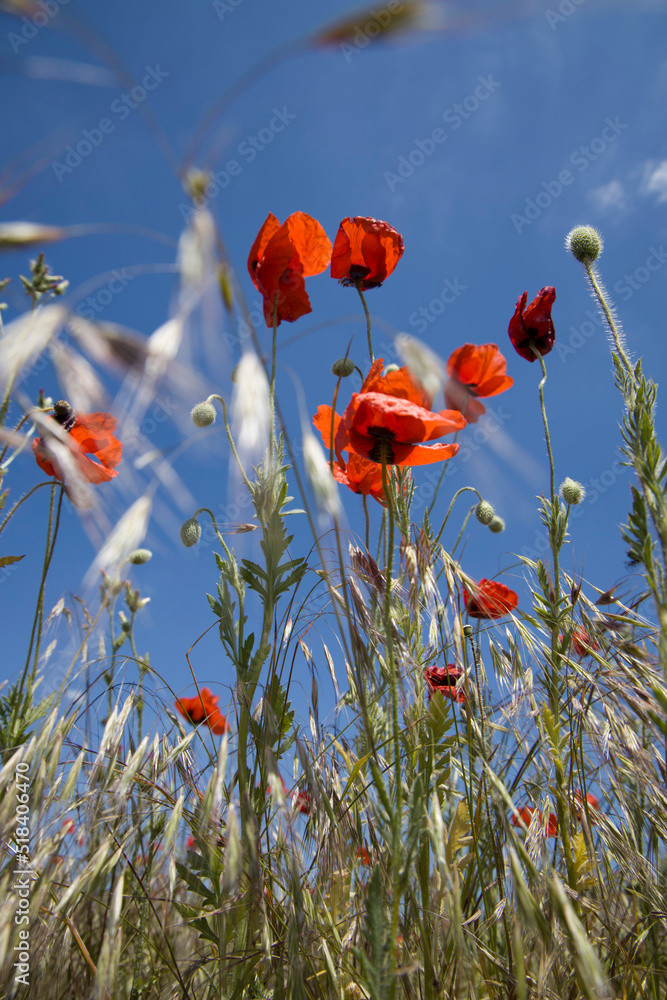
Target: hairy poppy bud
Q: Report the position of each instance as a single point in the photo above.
(391, 368)
(468, 631)
(342, 368)
(139, 556)
(484, 512)
(190, 532)
(572, 491)
(497, 525)
(584, 243)
(203, 414)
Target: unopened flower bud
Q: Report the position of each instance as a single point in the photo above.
(190, 532)
(572, 491)
(484, 512)
(468, 631)
(140, 556)
(390, 368)
(203, 414)
(584, 243)
(497, 525)
(342, 368)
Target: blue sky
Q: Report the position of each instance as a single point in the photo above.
(483, 141)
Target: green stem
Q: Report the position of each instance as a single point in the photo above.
(398, 807)
(592, 277)
(368, 322)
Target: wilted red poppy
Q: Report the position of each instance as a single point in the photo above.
(203, 708)
(475, 370)
(490, 599)
(444, 679)
(532, 326)
(526, 814)
(90, 434)
(365, 252)
(389, 420)
(281, 257)
(303, 802)
(360, 474)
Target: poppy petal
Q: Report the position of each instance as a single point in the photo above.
(310, 242)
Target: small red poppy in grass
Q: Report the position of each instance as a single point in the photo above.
(364, 856)
(203, 708)
(281, 257)
(69, 826)
(445, 679)
(582, 642)
(525, 815)
(490, 599)
(532, 326)
(190, 842)
(303, 802)
(475, 370)
(389, 420)
(89, 434)
(365, 252)
(592, 801)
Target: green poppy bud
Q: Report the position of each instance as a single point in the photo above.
(342, 368)
(572, 491)
(484, 512)
(139, 556)
(190, 532)
(584, 243)
(497, 525)
(203, 414)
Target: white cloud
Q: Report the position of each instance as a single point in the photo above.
(655, 180)
(611, 195)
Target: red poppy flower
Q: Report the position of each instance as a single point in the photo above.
(490, 599)
(389, 420)
(593, 804)
(359, 474)
(190, 842)
(364, 856)
(89, 434)
(444, 679)
(532, 326)
(475, 370)
(281, 257)
(303, 803)
(365, 252)
(582, 642)
(203, 708)
(526, 814)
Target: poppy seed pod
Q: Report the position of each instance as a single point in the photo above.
(190, 532)
(342, 368)
(584, 243)
(497, 525)
(572, 491)
(203, 414)
(484, 512)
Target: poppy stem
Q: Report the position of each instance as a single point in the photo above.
(391, 662)
(615, 332)
(368, 322)
(272, 384)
